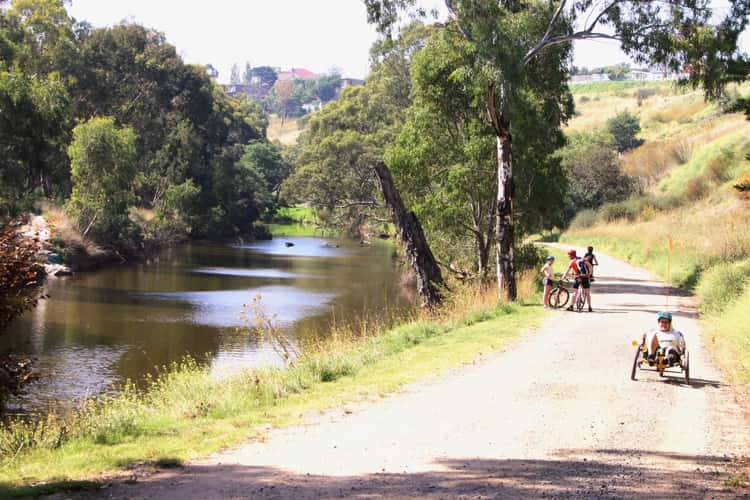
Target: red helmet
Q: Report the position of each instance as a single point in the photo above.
(571, 253)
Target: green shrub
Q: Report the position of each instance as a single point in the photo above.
(528, 257)
(721, 284)
(585, 218)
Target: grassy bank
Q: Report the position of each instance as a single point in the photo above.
(189, 413)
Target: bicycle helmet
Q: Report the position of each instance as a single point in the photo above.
(664, 315)
(571, 253)
(549, 257)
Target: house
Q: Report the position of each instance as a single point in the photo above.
(297, 73)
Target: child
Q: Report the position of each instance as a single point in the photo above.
(547, 275)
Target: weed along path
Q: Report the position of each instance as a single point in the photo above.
(554, 415)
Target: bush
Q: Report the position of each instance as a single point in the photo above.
(696, 188)
(742, 184)
(624, 128)
(102, 167)
(594, 171)
(721, 284)
(643, 94)
(585, 218)
(528, 257)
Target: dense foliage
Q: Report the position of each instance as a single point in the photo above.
(186, 137)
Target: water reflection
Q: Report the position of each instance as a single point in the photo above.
(119, 323)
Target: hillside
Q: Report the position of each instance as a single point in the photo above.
(286, 133)
(693, 155)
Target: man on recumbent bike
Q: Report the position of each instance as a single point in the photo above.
(666, 339)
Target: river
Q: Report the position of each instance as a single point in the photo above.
(99, 329)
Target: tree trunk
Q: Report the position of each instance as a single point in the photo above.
(506, 274)
(410, 232)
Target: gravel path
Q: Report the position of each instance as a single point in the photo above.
(556, 415)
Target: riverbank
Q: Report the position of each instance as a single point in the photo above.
(188, 413)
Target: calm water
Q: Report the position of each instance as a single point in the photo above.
(99, 329)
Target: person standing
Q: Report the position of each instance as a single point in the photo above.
(547, 276)
(581, 271)
(591, 258)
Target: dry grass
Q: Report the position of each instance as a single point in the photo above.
(286, 133)
(65, 233)
(681, 111)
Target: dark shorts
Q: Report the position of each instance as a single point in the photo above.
(546, 281)
(584, 282)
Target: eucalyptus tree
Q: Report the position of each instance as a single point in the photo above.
(444, 157)
(340, 166)
(522, 41)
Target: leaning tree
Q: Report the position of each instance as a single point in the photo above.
(515, 37)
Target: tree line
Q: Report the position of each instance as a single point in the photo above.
(458, 129)
(105, 120)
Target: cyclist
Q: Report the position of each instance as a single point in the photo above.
(581, 271)
(591, 258)
(667, 338)
(547, 275)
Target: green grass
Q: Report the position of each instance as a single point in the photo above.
(297, 213)
(613, 86)
(735, 146)
(728, 338)
(297, 230)
(188, 413)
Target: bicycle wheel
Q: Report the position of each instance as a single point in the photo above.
(558, 297)
(638, 356)
(580, 300)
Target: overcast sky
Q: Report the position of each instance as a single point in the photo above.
(319, 35)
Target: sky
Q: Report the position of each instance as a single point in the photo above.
(319, 35)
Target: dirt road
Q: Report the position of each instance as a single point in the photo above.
(556, 415)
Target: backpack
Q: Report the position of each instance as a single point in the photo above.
(582, 267)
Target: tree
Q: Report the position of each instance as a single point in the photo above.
(247, 75)
(624, 127)
(521, 41)
(327, 86)
(594, 173)
(234, 75)
(268, 163)
(340, 165)
(102, 162)
(287, 98)
(266, 75)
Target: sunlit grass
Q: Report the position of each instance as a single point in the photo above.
(286, 133)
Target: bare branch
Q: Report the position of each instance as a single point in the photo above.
(454, 16)
(371, 203)
(554, 19)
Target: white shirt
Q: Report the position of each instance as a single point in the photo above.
(673, 338)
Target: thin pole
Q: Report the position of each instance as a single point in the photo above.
(669, 267)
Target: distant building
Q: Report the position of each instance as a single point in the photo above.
(300, 73)
(253, 91)
(644, 75)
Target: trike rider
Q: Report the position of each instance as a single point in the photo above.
(665, 337)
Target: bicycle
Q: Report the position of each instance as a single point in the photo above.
(580, 298)
(559, 295)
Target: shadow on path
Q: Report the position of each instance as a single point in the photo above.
(588, 475)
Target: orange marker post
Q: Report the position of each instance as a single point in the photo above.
(669, 266)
